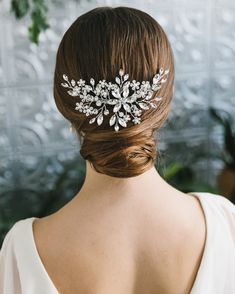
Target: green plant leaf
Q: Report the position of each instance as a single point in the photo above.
(39, 20)
(20, 8)
(38, 12)
(172, 170)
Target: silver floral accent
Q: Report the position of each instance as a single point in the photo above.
(96, 97)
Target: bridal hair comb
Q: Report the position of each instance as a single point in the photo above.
(95, 97)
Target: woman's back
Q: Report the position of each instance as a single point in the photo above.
(124, 246)
(115, 251)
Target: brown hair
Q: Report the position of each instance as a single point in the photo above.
(97, 45)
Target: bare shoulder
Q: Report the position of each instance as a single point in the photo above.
(58, 256)
(197, 219)
(190, 247)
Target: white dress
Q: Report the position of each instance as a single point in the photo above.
(22, 271)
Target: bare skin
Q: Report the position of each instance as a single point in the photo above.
(134, 236)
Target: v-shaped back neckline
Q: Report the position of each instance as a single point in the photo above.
(199, 195)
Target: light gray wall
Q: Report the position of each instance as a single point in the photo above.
(34, 137)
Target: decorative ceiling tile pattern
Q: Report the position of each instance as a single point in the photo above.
(35, 141)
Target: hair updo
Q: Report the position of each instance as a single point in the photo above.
(97, 45)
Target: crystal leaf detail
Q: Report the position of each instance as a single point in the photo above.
(116, 94)
(91, 121)
(125, 93)
(116, 128)
(65, 77)
(122, 122)
(117, 107)
(153, 105)
(73, 93)
(73, 83)
(126, 77)
(117, 80)
(143, 105)
(112, 120)
(127, 107)
(92, 81)
(100, 119)
(64, 85)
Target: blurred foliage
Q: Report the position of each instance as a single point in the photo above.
(38, 13)
(23, 203)
(225, 119)
(20, 8)
(183, 178)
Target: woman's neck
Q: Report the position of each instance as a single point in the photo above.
(97, 185)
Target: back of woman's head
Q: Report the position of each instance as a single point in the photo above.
(97, 45)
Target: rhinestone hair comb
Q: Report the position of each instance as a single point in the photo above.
(95, 97)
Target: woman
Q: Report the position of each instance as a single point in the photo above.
(127, 230)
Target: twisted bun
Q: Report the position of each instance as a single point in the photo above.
(97, 45)
(120, 157)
